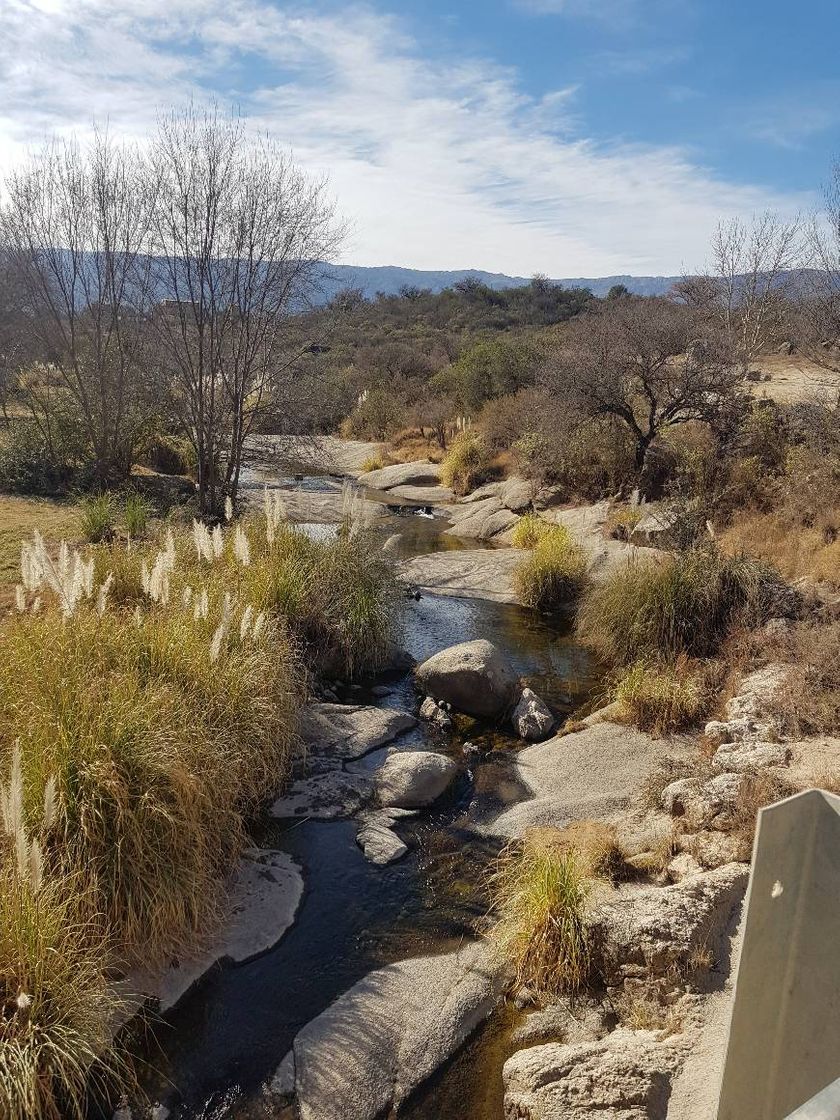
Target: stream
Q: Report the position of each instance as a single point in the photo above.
(211, 1055)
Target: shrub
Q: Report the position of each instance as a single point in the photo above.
(686, 604)
(137, 511)
(97, 517)
(29, 465)
(553, 574)
(529, 531)
(664, 697)
(466, 464)
(540, 892)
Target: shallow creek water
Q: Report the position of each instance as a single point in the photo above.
(211, 1056)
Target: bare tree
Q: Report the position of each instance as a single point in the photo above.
(818, 304)
(647, 363)
(751, 264)
(74, 227)
(238, 235)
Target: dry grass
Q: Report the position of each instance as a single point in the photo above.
(685, 604)
(757, 791)
(554, 573)
(665, 697)
(150, 699)
(19, 517)
(621, 522)
(808, 703)
(541, 892)
(465, 464)
(529, 531)
(643, 1008)
(668, 770)
(795, 550)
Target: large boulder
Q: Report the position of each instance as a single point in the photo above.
(532, 719)
(748, 757)
(369, 1050)
(482, 520)
(473, 677)
(625, 1076)
(652, 931)
(713, 803)
(413, 779)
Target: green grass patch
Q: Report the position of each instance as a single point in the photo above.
(666, 697)
(529, 531)
(466, 463)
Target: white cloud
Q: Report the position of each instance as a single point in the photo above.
(437, 165)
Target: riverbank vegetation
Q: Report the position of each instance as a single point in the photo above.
(554, 572)
(150, 697)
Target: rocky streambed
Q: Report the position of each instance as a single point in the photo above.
(351, 983)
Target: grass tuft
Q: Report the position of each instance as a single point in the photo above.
(136, 513)
(664, 697)
(466, 463)
(554, 573)
(529, 531)
(540, 891)
(97, 517)
(685, 604)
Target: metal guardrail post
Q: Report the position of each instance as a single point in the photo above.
(784, 1034)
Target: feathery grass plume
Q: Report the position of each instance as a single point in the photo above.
(228, 508)
(202, 541)
(186, 597)
(217, 538)
(102, 594)
(20, 597)
(246, 622)
(241, 547)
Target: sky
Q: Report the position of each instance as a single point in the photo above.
(566, 137)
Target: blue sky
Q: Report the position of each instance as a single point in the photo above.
(571, 137)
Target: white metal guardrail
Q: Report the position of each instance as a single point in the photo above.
(783, 1051)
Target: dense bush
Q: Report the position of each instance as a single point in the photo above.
(686, 603)
(31, 465)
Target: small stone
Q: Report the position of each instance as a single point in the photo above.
(532, 719)
(413, 779)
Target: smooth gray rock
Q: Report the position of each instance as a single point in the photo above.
(424, 495)
(370, 1049)
(592, 773)
(532, 719)
(413, 779)
(625, 1076)
(648, 932)
(516, 494)
(378, 840)
(481, 520)
(473, 677)
(327, 796)
(467, 573)
(349, 731)
(420, 473)
(261, 901)
(705, 804)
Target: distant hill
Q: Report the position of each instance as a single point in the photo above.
(390, 278)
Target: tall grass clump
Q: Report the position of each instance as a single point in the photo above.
(540, 894)
(465, 464)
(97, 517)
(554, 573)
(663, 697)
(136, 513)
(55, 1003)
(684, 604)
(529, 531)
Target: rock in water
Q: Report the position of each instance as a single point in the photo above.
(531, 718)
(365, 1054)
(473, 677)
(413, 779)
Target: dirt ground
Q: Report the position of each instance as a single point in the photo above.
(794, 378)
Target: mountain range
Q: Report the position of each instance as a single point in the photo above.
(389, 279)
